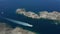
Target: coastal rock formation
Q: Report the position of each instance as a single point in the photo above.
(54, 15)
(28, 14)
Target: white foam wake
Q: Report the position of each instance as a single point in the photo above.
(19, 22)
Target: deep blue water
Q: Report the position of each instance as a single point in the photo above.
(42, 26)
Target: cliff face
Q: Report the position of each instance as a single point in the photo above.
(18, 30)
(6, 29)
